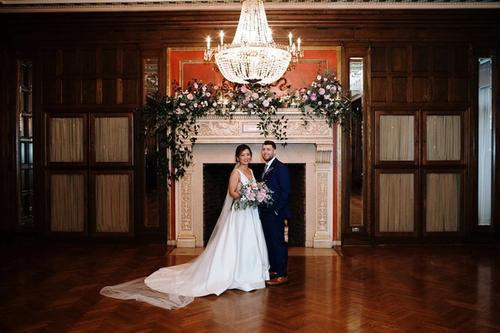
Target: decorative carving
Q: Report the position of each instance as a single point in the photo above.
(322, 197)
(314, 128)
(186, 201)
(219, 128)
(323, 156)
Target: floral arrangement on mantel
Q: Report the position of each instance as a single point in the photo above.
(170, 122)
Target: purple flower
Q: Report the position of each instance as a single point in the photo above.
(265, 103)
(313, 97)
(321, 91)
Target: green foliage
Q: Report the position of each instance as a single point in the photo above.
(324, 98)
(170, 122)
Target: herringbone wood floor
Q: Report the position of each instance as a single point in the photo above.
(55, 288)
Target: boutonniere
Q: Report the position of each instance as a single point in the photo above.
(269, 170)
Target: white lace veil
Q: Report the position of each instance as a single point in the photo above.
(139, 291)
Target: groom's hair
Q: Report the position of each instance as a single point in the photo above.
(269, 143)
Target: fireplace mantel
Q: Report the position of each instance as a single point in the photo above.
(315, 145)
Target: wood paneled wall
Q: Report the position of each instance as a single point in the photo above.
(421, 107)
(88, 97)
(419, 80)
(8, 190)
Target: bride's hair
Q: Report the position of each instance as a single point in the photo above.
(240, 149)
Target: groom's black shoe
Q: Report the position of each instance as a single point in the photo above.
(277, 281)
(273, 275)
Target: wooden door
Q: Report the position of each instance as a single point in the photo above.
(87, 102)
(419, 114)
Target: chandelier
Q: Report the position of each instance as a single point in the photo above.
(253, 56)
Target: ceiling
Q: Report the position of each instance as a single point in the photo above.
(12, 6)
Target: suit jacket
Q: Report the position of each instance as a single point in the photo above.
(278, 181)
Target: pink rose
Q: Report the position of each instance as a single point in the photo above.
(265, 103)
(190, 97)
(255, 95)
(261, 196)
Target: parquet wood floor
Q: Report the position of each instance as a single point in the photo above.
(54, 287)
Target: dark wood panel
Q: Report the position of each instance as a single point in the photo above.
(88, 61)
(420, 59)
(109, 91)
(458, 90)
(130, 95)
(378, 59)
(71, 62)
(109, 61)
(130, 61)
(399, 59)
(71, 91)
(89, 92)
(440, 89)
(379, 89)
(441, 59)
(421, 89)
(399, 89)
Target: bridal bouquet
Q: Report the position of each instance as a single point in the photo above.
(253, 195)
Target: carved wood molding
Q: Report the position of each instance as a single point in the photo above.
(179, 5)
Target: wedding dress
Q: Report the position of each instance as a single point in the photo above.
(235, 258)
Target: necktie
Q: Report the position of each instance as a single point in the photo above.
(265, 169)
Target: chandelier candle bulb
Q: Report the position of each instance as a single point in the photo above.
(208, 42)
(298, 44)
(221, 34)
(290, 36)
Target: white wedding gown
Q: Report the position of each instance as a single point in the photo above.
(234, 258)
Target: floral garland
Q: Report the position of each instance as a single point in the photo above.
(325, 99)
(170, 122)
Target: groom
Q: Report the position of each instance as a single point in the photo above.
(276, 177)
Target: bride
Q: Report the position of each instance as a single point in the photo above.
(235, 256)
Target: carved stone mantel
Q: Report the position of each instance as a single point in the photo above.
(217, 139)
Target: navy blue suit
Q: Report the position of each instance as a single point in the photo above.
(273, 216)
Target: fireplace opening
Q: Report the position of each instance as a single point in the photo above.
(215, 181)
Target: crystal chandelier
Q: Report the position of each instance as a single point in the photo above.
(253, 56)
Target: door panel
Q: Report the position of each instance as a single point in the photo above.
(443, 201)
(420, 120)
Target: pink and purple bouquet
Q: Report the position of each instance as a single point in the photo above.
(253, 195)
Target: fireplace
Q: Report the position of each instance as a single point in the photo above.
(311, 153)
(215, 179)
